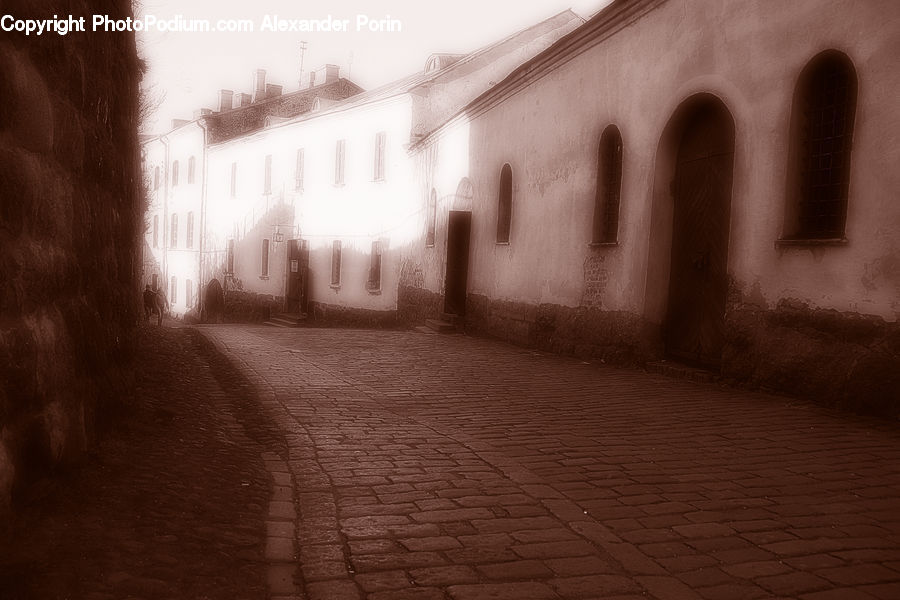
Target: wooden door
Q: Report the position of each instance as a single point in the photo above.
(456, 282)
(698, 284)
(297, 277)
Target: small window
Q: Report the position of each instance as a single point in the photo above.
(174, 173)
(432, 218)
(189, 242)
(191, 162)
(229, 258)
(188, 293)
(380, 139)
(298, 172)
(154, 281)
(339, 157)
(156, 178)
(233, 179)
(156, 231)
(821, 133)
(609, 185)
(264, 266)
(173, 234)
(267, 179)
(173, 290)
(373, 284)
(504, 205)
(336, 263)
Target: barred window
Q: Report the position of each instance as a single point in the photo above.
(264, 266)
(432, 218)
(380, 139)
(336, 263)
(822, 128)
(373, 284)
(504, 208)
(339, 158)
(609, 185)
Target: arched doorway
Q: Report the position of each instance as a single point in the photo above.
(459, 227)
(694, 328)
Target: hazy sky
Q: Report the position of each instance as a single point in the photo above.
(190, 67)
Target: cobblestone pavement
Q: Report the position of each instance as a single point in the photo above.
(429, 466)
(171, 505)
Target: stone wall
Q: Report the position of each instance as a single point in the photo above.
(333, 315)
(70, 222)
(249, 307)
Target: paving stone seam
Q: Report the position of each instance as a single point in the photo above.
(281, 556)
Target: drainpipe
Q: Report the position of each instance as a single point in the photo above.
(200, 287)
(165, 253)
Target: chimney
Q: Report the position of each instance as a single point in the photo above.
(312, 79)
(332, 73)
(202, 112)
(226, 97)
(241, 100)
(273, 90)
(259, 85)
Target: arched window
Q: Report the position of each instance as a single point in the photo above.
(432, 218)
(821, 134)
(609, 185)
(504, 206)
(174, 173)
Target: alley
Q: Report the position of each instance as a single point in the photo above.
(428, 466)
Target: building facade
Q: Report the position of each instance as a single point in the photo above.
(688, 181)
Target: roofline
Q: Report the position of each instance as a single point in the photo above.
(605, 23)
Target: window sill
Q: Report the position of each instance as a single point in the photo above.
(335, 286)
(603, 244)
(501, 243)
(800, 242)
(374, 292)
(429, 245)
(264, 277)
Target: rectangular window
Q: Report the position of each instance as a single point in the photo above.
(156, 231)
(336, 263)
(298, 173)
(233, 179)
(188, 293)
(174, 173)
(154, 281)
(374, 282)
(173, 234)
(380, 138)
(229, 258)
(190, 230)
(191, 167)
(339, 157)
(173, 291)
(267, 183)
(264, 266)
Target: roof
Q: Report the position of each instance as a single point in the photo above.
(456, 68)
(617, 15)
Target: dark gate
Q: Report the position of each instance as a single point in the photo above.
(460, 226)
(296, 299)
(698, 284)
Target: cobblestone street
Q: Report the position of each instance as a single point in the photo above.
(428, 466)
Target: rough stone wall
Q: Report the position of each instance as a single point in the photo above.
(70, 225)
(846, 360)
(249, 307)
(332, 315)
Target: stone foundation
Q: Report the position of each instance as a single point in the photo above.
(843, 360)
(331, 315)
(248, 307)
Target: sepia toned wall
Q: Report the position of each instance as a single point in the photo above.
(814, 320)
(70, 227)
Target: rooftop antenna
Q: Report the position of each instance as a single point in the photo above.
(302, 52)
